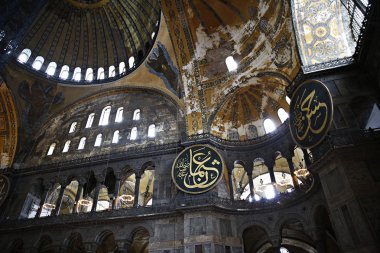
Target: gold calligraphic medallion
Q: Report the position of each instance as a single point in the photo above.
(4, 188)
(311, 113)
(197, 169)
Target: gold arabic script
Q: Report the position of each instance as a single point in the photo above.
(197, 171)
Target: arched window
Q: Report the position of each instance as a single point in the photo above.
(112, 71)
(77, 74)
(66, 147)
(269, 126)
(115, 137)
(37, 64)
(133, 134)
(282, 115)
(82, 143)
(51, 68)
(231, 64)
(64, 72)
(51, 149)
(136, 114)
(284, 250)
(24, 56)
(119, 115)
(153, 34)
(152, 131)
(105, 116)
(90, 120)
(100, 73)
(98, 140)
(131, 62)
(287, 100)
(73, 127)
(122, 68)
(89, 75)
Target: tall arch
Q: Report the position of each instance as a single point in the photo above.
(139, 241)
(74, 244)
(106, 242)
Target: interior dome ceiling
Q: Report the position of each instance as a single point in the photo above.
(93, 34)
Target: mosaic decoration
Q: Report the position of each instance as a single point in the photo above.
(322, 30)
(197, 169)
(8, 127)
(257, 34)
(311, 113)
(160, 64)
(4, 188)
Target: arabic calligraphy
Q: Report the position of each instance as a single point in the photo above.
(197, 169)
(310, 113)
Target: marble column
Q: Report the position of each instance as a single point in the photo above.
(58, 204)
(137, 190)
(116, 193)
(43, 199)
(294, 177)
(96, 196)
(77, 197)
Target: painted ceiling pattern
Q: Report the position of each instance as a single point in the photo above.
(323, 31)
(258, 34)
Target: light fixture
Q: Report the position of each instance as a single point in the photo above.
(302, 173)
(48, 206)
(84, 202)
(127, 198)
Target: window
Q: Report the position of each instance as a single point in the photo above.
(111, 71)
(51, 149)
(131, 62)
(82, 143)
(152, 131)
(153, 34)
(64, 72)
(119, 115)
(287, 100)
(136, 114)
(282, 115)
(115, 138)
(66, 147)
(100, 73)
(122, 67)
(269, 126)
(90, 120)
(77, 74)
(73, 127)
(134, 134)
(231, 64)
(105, 116)
(37, 64)
(89, 75)
(51, 68)
(24, 56)
(284, 250)
(98, 140)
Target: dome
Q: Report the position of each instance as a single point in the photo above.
(90, 41)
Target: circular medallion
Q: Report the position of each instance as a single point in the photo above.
(197, 169)
(311, 113)
(4, 188)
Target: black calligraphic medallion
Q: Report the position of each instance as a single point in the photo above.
(4, 188)
(311, 113)
(197, 169)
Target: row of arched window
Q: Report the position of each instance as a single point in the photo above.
(89, 75)
(99, 139)
(104, 118)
